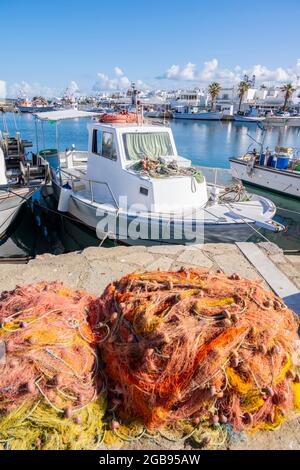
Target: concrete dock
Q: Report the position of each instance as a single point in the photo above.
(93, 268)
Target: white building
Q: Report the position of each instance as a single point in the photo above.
(194, 97)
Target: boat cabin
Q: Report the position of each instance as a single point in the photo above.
(116, 155)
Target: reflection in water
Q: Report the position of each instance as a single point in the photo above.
(209, 143)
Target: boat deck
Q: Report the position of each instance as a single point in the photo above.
(288, 171)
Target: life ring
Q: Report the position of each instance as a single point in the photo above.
(123, 117)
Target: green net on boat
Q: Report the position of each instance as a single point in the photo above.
(158, 168)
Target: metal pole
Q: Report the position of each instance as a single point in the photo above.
(216, 176)
(91, 190)
(36, 136)
(4, 121)
(136, 108)
(56, 132)
(16, 127)
(43, 134)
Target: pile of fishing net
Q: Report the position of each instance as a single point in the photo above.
(195, 352)
(187, 354)
(159, 168)
(51, 389)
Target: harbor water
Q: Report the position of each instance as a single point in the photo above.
(206, 143)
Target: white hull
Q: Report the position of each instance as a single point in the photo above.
(294, 121)
(291, 121)
(239, 118)
(155, 114)
(210, 229)
(213, 116)
(281, 181)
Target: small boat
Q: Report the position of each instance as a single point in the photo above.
(277, 171)
(187, 112)
(28, 106)
(21, 175)
(132, 186)
(251, 116)
(157, 113)
(283, 118)
(293, 121)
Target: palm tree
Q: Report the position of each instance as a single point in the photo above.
(242, 89)
(288, 90)
(214, 90)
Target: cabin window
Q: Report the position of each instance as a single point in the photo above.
(139, 145)
(144, 191)
(104, 144)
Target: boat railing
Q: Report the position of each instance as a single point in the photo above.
(76, 178)
(217, 176)
(72, 157)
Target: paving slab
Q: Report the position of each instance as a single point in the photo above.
(163, 263)
(169, 250)
(196, 258)
(236, 262)
(100, 274)
(137, 258)
(277, 280)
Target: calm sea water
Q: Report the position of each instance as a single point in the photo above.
(208, 143)
(205, 143)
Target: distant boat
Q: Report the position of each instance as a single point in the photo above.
(277, 171)
(34, 109)
(27, 106)
(153, 114)
(294, 121)
(283, 119)
(186, 112)
(251, 116)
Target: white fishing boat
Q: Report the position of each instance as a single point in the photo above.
(195, 113)
(251, 116)
(131, 185)
(20, 177)
(277, 171)
(283, 119)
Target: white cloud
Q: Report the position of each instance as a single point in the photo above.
(212, 71)
(24, 89)
(72, 88)
(2, 89)
(264, 74)
(119, 72)
(175, 72)
(172, 72)
(209, 69)
(118, 82)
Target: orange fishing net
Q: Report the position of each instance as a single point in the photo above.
(196, 344)
(49, 380)
(48, 346)
(181, 353)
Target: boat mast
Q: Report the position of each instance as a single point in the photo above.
(134, 102)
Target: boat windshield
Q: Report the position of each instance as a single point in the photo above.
(139, 145)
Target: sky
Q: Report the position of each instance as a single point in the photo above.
(98, 45)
